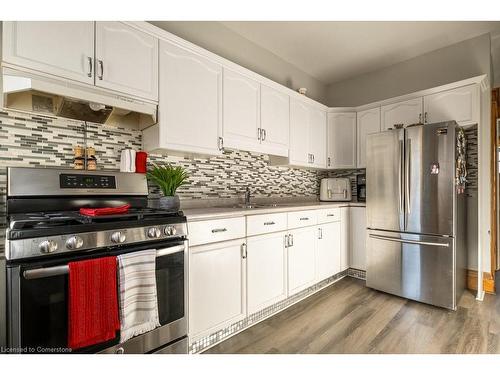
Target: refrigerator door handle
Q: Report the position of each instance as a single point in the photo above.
(407, 176)
(400, 178)
(386, 238)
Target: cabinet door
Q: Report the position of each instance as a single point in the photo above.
(345, 237)
(461, 105)
(317, 137)
(274, 121)
(368, 122)
(64, 49)
(341, 140)
(190, 104)
(302, 259)
(266, 270)
(216, 287)
(299, 133)
(126, 60)
(358, 238)
(328, 250)
(406, 113)
(241, 109)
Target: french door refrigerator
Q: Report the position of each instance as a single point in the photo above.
(415, 217)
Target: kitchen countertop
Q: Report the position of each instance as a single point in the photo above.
(207, 213)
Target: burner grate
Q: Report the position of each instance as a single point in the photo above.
(45, 220)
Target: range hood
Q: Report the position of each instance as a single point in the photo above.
(50, 96)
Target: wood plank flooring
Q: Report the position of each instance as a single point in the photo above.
(348, 317)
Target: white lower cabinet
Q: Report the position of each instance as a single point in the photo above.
(301, 259)
(328, 250)
(217, 290)
(266, 270)
(345, 237)
(357, 238)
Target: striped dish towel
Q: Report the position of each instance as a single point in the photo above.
(137, 286)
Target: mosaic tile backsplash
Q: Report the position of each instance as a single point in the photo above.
(40, 141)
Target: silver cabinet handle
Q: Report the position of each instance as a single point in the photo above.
(221, 143)
(330, 215)
(320, 233)
(312, 157)
(269, 223)
(259, 134)
(419, 118)
(291, 238)
(345, 193)
(286, 240)
(89, 74)
(413, 242)
(219, 230)
(244, 251)
(329, 161)
(264, 134)
(101, 69)
(303, 218)
(289, 241)
(425, 118)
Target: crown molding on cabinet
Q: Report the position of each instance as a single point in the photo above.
(165, 35)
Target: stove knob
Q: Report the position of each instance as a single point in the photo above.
(48, 246)
(118, 237)
(170, 231)
(154, 232)
(74, 242)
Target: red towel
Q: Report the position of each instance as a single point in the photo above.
(93, 302)
(105, 210)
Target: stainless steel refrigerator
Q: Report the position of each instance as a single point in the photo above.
(415, 217)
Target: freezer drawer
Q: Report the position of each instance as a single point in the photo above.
(413, 266)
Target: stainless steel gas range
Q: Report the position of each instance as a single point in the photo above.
(46, 232)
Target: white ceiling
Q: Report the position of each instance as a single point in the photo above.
(334, 51)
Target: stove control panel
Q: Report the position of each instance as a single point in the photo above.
(86, 181)
(57, 244)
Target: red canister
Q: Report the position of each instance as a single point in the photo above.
(141, 158)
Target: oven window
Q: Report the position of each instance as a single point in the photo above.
(170, 287)
(44, 318)
(44, 315)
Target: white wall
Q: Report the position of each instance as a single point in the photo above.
(450, 64)
(217, 38)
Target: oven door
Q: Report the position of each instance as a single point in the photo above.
(38, 303)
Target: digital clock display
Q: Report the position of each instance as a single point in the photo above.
(81, 181)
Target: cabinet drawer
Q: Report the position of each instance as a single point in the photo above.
(302, 219)
(261, 224)
(208, 231)
(328, 215)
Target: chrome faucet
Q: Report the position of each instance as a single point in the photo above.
(247, 196)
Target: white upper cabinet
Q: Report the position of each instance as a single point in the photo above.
(368, 122)
(190, 105)
(299, 133)
(317, 137)
(126, 60)
(64, 49)
(241, 112)
(341, 140)
(274, 121)
(460, 104)
(404, 113)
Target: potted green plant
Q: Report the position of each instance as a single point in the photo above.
(168, 179)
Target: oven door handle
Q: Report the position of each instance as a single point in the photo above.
(39, 273)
